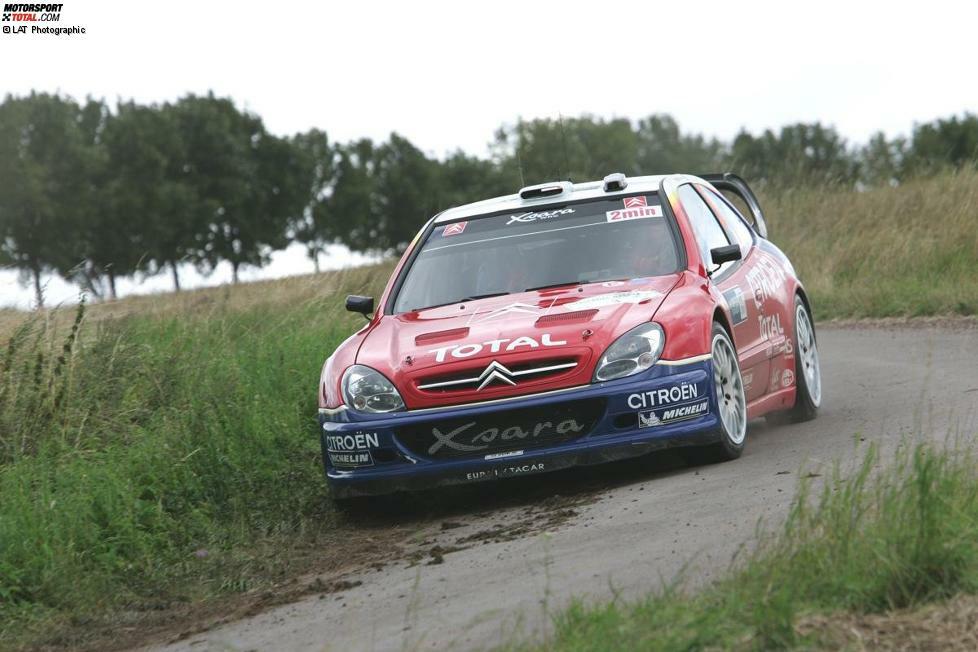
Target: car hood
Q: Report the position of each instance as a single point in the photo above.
(523, 343)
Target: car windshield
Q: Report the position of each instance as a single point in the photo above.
(608, 239)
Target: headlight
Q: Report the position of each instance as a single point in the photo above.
(367, 390)
(635, 351)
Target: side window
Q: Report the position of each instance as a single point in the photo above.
(709, 233)
(734, 222)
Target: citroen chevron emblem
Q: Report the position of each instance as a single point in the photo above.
(513, 308)
(495, 371)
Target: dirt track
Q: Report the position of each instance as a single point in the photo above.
(486, 564)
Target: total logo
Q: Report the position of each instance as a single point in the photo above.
(459, 351)
(770, 326)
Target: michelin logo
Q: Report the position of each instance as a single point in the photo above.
(665, 416)
(351, 450)
(647, 420)
(684, 412)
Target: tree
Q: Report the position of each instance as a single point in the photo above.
(149, 191)
(568, 148)
(882, 161)
(118, 239)
(404, 193)
(463, 179)
(799, 153)
(382, 195)
(951, 142)
(316, 170)
(352, 199)
(663, 149)
(46, 168)
(245, 178)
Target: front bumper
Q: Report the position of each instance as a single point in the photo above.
(669, 405)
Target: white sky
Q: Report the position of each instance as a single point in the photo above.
(446, 75)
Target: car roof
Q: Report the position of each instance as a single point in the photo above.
(571, 192)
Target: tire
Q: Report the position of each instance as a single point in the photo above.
(731, 401)
(808, 374)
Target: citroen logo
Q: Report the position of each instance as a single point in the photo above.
(495, 371)
(511, 309)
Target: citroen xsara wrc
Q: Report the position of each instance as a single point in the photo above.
(570, 324)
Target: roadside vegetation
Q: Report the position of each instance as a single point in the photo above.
(867, 553)
(906, 251)
(163, 450)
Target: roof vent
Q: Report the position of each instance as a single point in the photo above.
(546, 190)
(614, 182)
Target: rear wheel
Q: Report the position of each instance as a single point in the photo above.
(808, 374)
(731, 400)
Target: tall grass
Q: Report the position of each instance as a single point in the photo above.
(143, 457)
(905, 251)
(868, 542)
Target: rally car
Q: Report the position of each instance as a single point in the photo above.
(570, 324)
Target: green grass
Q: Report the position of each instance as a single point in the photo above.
(158, 456)
(868, 542)
(886, 252)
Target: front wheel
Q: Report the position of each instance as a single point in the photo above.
(731, 400)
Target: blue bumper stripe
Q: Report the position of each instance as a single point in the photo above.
(669, 405)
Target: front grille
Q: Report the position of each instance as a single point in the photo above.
(499, 432)
(496, 374)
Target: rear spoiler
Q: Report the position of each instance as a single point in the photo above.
(732, 183)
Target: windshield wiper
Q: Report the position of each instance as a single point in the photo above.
(575, 283)
(556, 285)
(463, 300)
(482, 296)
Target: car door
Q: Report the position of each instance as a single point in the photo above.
(757, 284)
(730, 280)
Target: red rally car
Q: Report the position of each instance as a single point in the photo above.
(570, 324)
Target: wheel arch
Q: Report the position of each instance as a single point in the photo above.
(720, 317)
(801, 294)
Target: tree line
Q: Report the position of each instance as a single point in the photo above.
(95, 193)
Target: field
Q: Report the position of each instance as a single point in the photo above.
(885, 252)
(162, 451)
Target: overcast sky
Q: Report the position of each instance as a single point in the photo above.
(447, 74)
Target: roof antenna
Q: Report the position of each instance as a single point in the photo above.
(519, 164)
(563, 140)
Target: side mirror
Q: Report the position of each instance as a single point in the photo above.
(363, 305)
(722, 255)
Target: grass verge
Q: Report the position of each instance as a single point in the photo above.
(161, 456)
(870, 543)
